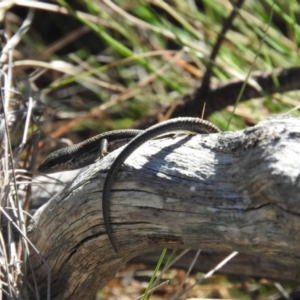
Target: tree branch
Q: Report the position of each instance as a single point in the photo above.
(230, 191)
(224, 94)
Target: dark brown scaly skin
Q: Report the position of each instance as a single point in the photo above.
(193, 125)
(86, 152)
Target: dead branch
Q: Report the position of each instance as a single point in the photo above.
(230, 191)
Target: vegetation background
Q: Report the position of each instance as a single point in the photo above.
(75, 69)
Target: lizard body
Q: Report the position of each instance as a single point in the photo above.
(87, 152)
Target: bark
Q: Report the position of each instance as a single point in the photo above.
(233, 191)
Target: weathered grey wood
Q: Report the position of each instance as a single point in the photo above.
(230, 191)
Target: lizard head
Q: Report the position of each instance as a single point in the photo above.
(56, 161)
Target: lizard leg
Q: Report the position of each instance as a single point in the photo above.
(103, 149)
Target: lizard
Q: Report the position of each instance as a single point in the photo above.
(90, 150)
(186, 124)
(87, 152)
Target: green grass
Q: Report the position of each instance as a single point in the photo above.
(176, 28)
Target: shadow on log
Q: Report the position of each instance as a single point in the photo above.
(233, 191)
